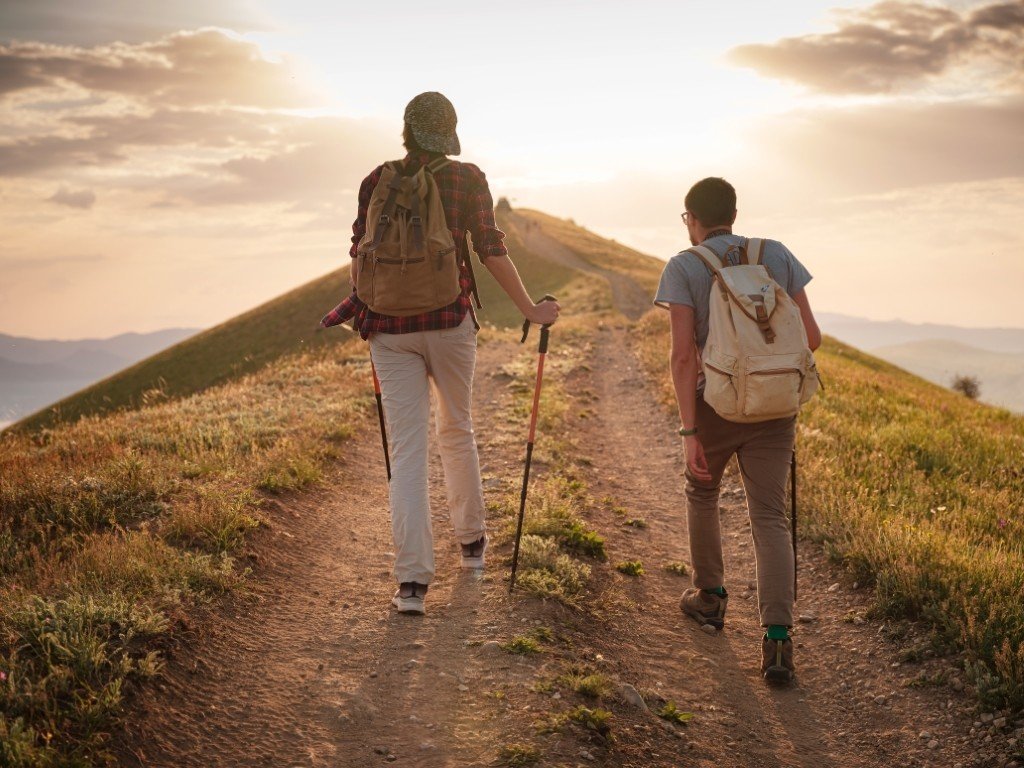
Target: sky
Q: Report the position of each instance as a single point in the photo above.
(172, 165)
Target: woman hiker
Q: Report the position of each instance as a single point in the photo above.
(432, 349)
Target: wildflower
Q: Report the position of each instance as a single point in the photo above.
(3, 676)
(1003, 522)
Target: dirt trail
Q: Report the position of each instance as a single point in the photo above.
(312, 667)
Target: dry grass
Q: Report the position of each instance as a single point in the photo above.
(112, 527)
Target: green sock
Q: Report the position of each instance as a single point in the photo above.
(720, 591)
(778, 632)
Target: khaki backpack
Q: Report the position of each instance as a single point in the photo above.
(407, 259)
(757, 364)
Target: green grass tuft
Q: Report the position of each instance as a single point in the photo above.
(516, 755)
(586, 682)
(522, 645)
(678, 567)
(631, 568)
(673, 714)
(548, 572)
(596, 720)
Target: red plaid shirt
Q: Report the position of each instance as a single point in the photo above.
(468, 207)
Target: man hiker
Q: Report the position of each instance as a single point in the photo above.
(408, 237)
(763, 448)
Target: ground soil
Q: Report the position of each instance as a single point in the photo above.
(310, 666)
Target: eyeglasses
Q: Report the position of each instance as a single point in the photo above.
(686, 217)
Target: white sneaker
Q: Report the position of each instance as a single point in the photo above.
(473, 554)
(409, 598)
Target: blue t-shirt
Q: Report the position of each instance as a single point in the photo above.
(687, 280)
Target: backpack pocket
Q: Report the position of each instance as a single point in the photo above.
(720, 382)
(774, 386)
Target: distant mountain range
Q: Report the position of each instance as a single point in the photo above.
(872, 334)
(995, 356)
(37, 372)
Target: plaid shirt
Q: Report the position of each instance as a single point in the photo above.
(468, 207)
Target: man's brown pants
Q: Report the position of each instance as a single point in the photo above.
(764, 451)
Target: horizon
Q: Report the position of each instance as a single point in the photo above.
(819, 314)
(212, 156)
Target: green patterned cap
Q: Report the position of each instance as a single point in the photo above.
(432, 120)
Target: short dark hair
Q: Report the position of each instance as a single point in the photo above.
(712, 201)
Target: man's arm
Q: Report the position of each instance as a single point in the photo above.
(685, 364)
(810, 324)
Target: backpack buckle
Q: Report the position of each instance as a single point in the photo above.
(384, 220)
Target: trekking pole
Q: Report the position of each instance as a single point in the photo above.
(792, 498)
(380, 416)
(542, 350)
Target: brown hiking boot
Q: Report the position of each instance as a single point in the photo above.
(705, 607)
(777, 660)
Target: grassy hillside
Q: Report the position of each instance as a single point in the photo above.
(112, 528)
(240, 346)
(918, 490)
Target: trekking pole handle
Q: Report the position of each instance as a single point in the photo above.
(543, 328)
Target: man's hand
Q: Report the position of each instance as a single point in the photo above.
(696, 462)
(544, 313)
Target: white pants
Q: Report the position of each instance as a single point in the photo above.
(409, 366)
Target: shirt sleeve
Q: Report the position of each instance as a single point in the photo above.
(488, 240)
(799, 277)
(674, 287)
(359, 225)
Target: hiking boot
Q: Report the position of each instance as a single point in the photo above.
(473, 554)
(409, 597)
(705, 607)
(777, 660)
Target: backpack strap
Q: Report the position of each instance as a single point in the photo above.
(755, 250)
(709, 257)
(437, 164)
(416, 220)
(386, 214)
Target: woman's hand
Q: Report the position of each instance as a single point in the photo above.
(544, 313)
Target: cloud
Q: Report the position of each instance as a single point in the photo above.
(205, 67)
(893, 145)
(101, 21)
(99, 140)
(894, 45)
(315, 160)
(83, 198)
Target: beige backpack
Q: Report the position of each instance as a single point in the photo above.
(757, 365)
(407, 259)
